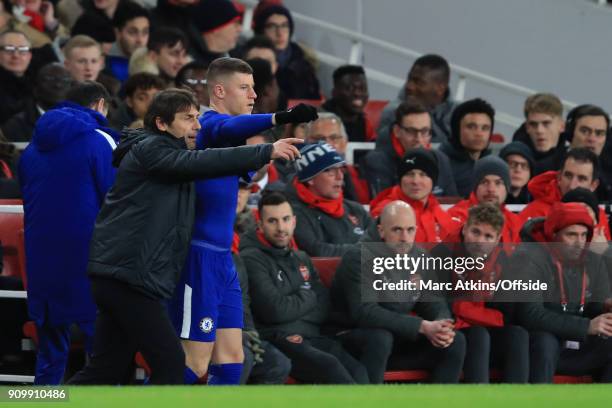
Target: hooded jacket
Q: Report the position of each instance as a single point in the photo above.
(397, 317)
(545, 313)
(547, 161)
(512, 222)
(65, 173)
(545, 191)
(287, 296)
(142, 234)
(320, 234)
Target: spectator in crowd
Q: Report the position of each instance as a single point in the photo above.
(542, 131)
(10, 22)
(64, 174)
(9, 184)
(168, 50)
(296, 65)
(349, 98)
(132, 24)
(266, 86)
(52, 83)
(218, 22)
(417, 174)
(427, 84)
(327, 224)
(290, 304)
(15, 81)
(140, 89)
(492, 339)
(261, 47)
(83, 58)
(580, 168)
(179, 14)
(40, 15)
(100, 14)
(154, 197)
(570, 332)
(411, 129)
(471, 128)
(589, 126)
(330, 129)
(521, 163)
(193, 76)
(96, 27)
(491, 186)
(423, 332)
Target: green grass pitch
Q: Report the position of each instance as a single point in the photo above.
(404, 395)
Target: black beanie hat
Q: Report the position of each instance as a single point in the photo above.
(213, 14)
(261, 18)
(421, 159)
(97, 27)
(491, 166)
(582, 195)
(521, 149)
(476, 105)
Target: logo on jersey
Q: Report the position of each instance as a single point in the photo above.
(206, 325)
(305, 272)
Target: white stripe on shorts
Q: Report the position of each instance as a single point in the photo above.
(186, 313)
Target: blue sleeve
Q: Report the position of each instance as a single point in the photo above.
(221, 130)
(101, 162)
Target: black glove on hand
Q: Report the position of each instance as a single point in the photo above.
(298, 114)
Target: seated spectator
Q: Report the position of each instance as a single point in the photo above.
(193, 76)
(167, 48)
(327, 224)
(427, 84)
(588, 126)
(15, 81)
(599, 242)
(423, 332)
(218, 22)
(349, 98)
(96, 27)
(580, 168)
(569, 333)
(179, 14)
(266, 86)
(492, 339)
(471, 128)
(417, 175)
(491, 186)
(40, 16)
(296, 73)
(131, 23)
(139, 92)
(52, 83)
(411, 129)
(521, 163)
(10, 22)
(289, 302)
(329, 129)
(542, 131)
(83, 58)
(261, 47)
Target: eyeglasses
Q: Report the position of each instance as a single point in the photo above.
(514, 165)
(276, 27)
(587, 131)
(414, 132)
(194, 82)
(13, 49)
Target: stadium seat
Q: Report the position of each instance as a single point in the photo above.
(10, 225)
(497, 138)
(314, 102)
(326, 267)
(374, 109)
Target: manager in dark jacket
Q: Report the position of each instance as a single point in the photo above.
(142, 234)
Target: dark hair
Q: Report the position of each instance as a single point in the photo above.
(166, 104)
(436, 63)
(583, 155)
(128, 11)
(580, 111)
(193, 65)
(271, 198)
(486, 214)
(95, 26)
(87, 93)
(226, 66)
(344, 70)
(259, 41)
(262, 74)
(166, 37)
(409, 108)
(263, 14)
(476, 105)
(144, 81)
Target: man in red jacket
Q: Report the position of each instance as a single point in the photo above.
(491, 185)
(491, 337)
(580, 169)
(418, 173)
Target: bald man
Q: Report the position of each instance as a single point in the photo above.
(426, 340)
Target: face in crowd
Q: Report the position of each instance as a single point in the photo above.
(277, 224)
(351, 92)
(397, 226)
(277, 29)
(520, 172)
(491, 190)
(184, 126)
(475, 132)
(414, 131)
(15, 53)
(544, 130)
(575, 174)
(328, 130)
(590, 132)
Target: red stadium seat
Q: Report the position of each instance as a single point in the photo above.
(10, 225)
(314, 102)
(497, 138)
(373, 111)
(406, 375)
(326, 268)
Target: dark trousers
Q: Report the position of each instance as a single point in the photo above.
(274, 369)
(127, 322)
(372, 347)
(549, 356)
(506, 348)
(322, 360)
(444, 364)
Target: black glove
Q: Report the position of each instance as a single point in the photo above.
(298, 114)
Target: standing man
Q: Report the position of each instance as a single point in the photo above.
(207, 306)
(65, 173)
(141, 237)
